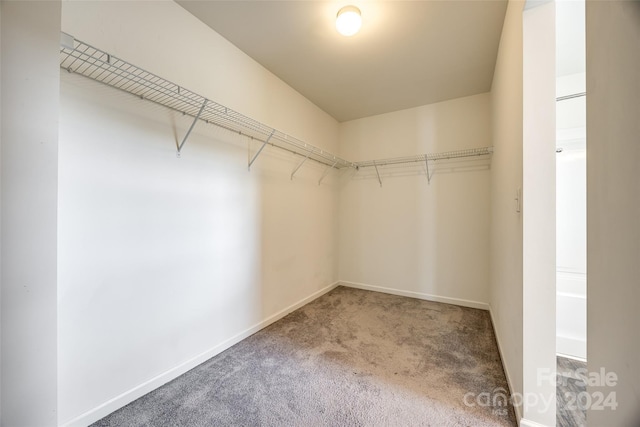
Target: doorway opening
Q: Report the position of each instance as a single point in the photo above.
(571, 210)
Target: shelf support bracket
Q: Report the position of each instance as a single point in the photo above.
(300, 164)
(326, 171)
(204, 104)
(377, 172)
(426, 160)
(260, 149)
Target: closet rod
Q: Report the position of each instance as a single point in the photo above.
(572, 96)
(81, 58)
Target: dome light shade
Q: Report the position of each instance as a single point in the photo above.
(348, 21)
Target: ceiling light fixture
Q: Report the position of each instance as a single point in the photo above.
(348, 21)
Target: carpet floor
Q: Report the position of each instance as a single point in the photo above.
(349, 358)
(569, 412)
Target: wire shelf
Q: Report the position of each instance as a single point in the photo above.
(425, 158)
(470, 152)
(81, 58)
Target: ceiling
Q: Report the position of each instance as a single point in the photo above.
(408, 53)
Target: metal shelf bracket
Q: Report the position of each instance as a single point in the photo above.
(429, 175)
(326, 172)
(260, 149)
(301, 163)
(195, 120)
(377, 172)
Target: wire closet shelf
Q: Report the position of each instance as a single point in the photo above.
(484, 152)
(81, 58)
(421, 158)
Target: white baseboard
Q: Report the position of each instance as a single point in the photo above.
(129, 396)
(419, 295)
(517, 409)
(528, 423)
(571, 347)
(568, 356)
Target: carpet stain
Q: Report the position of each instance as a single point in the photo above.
(349, 358)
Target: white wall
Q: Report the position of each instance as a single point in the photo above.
(30, 97)
(408, 236)
(613, 205)
(538, 214)
(0, 213)
(506, 179)
(163, 262)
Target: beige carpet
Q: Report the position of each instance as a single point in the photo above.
(349, 358)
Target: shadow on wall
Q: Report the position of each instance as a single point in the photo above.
(298, 254)
(161, 258)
